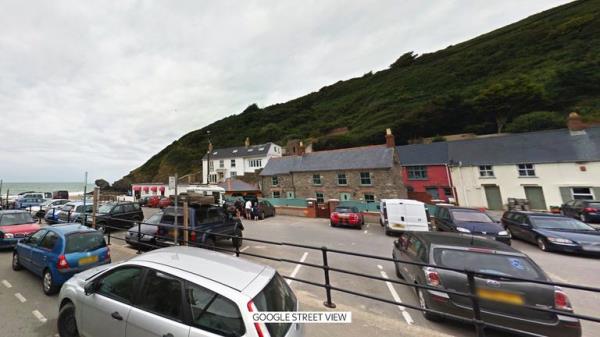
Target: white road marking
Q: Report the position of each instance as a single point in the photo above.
(367, 226)
(379, 266)
(39, 316)
(297, 269)
(366, 232)
(6, 284)
(244, 249)
(396, 298)
(20, 297)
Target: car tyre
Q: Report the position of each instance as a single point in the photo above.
(48, 283)
(423, 304)
(583, 218)
(262, 215)
(67, 326)
(16, 265)
(542, 245)
(331, 224)
(101, 226)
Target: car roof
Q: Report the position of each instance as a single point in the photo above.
(225, 269)
(534, 213)
(462, 240)
(403, 201)
(458, 208)
(13, 211)
(67, 228)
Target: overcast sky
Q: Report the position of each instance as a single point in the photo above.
(102, 86)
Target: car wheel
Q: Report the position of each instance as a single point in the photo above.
(262, 215)
(388, 232)
(16, 265)
(331, 224)
(423, 304)
(398, 271)
(67, 326)
(101, 226)
(237, 241)
(48, 283)
(541, 243)
(583, 218)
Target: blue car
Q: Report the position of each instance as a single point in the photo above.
(58, 252)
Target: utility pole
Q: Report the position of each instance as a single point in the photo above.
(176, 234)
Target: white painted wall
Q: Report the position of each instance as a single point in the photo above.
(242, 164)
(550, 177)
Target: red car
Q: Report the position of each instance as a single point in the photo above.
(14, 226)
(164, 202)
(346, 216)
(153, 201)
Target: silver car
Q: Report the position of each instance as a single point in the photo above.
(176, 292)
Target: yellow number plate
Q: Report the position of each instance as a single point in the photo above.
(88, 260)
(499, 296)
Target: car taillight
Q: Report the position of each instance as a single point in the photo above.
(334, 216)
(62, 262)
(561, 300)
(257, 326)
(193, 236)
(590, 210)
(353, 218)
(108, 254)
(432, 277)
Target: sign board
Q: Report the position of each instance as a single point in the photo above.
(172, 182)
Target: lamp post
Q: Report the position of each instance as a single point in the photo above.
(208, 157)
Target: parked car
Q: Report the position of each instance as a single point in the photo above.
(29, 199)
(469, 220)
(146, 293)
(553, 232)
(147, 232)
(153, 201)
(584, 210)
(58, 252)
(51, 216)
(75, 211)
(143, 201)
(265, 209)
(40, 211)
(398, 215)
(60, 195)
(117, 215)
(503, 302)
(206, 223)
(164, 202)
(15, 225)
(346, 216)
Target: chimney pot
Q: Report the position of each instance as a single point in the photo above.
(389, 138)
(301, 149)
(247, 142)
(574, 122)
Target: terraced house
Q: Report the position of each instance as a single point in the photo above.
(368, 173)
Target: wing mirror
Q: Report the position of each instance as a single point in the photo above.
(89, 288)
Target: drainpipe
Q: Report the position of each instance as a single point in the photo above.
(451, 183)
(463, 184)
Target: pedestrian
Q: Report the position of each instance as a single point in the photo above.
(248, 209)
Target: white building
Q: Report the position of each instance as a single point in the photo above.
(548, 168)
(233, 162)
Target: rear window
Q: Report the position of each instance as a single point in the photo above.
(468, 216)
(276, 296)
(15, 219)
(551, 222)
(346, 209)
(594, 204)
(84, 242)
(496, 264)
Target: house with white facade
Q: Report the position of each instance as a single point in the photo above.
(233, 162)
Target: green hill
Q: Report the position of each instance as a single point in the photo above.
(525, 76)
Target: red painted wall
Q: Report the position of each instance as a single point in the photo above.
(437, 176)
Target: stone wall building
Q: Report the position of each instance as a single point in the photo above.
(368, 173)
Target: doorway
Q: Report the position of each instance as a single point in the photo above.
(535, 196)
(493, 196)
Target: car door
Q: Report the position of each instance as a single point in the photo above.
(399, 253)
(442, 219)
(117, 214)
(160, 309)
(413, 250)
(37, 258)
(43, 253)
(105, 312)
(24, 250)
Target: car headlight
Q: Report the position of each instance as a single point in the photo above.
(463, 230)
(9, 235)
(503, 233)
(561, 241)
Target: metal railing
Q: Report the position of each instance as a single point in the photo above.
(206, 239)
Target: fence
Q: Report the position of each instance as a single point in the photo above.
(206, 239)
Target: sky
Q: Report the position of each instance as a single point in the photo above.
(102, 86)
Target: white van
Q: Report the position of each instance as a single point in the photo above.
(398, 215)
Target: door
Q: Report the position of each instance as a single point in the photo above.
(33, 253)
(105, 312)
(345, 196)
(42, 253)
(494, 199)
(535, 196)
(118, 215)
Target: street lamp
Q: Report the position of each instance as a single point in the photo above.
(208, 157)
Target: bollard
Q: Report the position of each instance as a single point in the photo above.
(479, 324)
(327, 303)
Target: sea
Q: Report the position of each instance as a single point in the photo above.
(16, 188)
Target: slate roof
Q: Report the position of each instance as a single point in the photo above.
(366, 157)
(551, 146)
(236, 185)
(240, 151)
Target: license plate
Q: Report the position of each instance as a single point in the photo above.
(88, 260)
(499, 296)
(397, 225)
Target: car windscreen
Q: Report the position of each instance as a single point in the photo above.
(496, 264)
(346, 210)
(15, 219)
(105, 209)
(80, 209)
(84, 242)
(154, 219)
(276, 296)
(470, 216)
(550, 222)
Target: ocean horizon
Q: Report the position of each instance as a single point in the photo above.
(14, 188)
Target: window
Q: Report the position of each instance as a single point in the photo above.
(120, 284)
(274, 180)
(117, 210)
(433, 192)
(84, 241)
(417, 172)
(162, 295)
(212, 178)
(369, 197)
(582, 193)
(233, 174)
(49, 241)
(232, 163)
(255, 163)
(341, 179)
(36, 237)
(320, 197)
(317, 179)
(526, 170)
(448, 192)
(345, 196)
(486, 171)
(276, 296)
(211, 166)
(290, 195)
(365, 178)
(276, 194)
(213, 312)
(221, 163)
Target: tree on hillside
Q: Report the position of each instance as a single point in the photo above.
(405, 60)
(509, 98)
(536, 120)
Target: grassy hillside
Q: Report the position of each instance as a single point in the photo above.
(537, 69)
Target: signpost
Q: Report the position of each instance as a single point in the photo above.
(173, 183)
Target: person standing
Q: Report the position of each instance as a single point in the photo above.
(248, 209)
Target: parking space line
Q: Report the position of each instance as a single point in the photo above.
(297, 268)
(396, 297)
(244, 249)
(6, 284)
(366, 231)
(20, 297)
(39, 316)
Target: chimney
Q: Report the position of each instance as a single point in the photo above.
(574, 122)
(247, 142)
(389, 138)
(301, 149)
